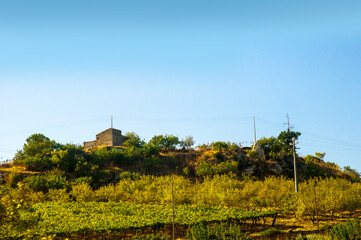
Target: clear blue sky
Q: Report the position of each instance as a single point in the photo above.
(200, 68)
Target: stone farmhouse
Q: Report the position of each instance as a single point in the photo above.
(108, 138)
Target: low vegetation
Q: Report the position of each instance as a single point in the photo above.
(126, 192)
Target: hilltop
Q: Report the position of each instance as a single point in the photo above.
(167, 155)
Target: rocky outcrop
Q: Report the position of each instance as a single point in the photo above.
(275, 168)
(250, 170)
(258, 148)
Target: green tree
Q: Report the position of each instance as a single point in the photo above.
(150, 149)
(133, 140)
(38, 145)
(355, 176)
(66, 158)
(219, 146)
(36, 152)
(286, 136)
(320, 156)
(272, 147)
(169, 142)
(157, 140)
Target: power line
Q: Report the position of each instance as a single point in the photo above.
(289, 127)
(334, 146)
(6, 150)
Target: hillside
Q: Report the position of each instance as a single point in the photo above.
(160, 156)
(57, 191)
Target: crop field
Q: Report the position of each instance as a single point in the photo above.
(63, 219)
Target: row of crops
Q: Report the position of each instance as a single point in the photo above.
(103, 217)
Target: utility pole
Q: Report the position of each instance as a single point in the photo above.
(294, 162)
(289, 127)
(111, 121)
(288, 123)
(173, 228)
(315, 202)
(254, 129)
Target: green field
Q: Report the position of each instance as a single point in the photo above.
(72, 218)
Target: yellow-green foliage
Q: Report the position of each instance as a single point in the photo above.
(83, 193)
(276, 193)
(58, 195)
(208, 169)
(12, 201)
(332, 195)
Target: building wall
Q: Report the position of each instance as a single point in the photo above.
(109, 137)
(117, 137)
(90, 144)
(105, 138)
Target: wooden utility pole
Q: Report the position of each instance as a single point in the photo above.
(254, 129)
(294, 163)
(288, 123)
(315, 202)
(173, 230)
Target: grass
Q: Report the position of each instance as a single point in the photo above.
(270, 232)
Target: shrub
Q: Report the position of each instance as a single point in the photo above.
(197, 232)
(219, 146)
(37, 183)
(208, 169)
(227, 167)
(58, 195)
(129, 175)
(205, 169)
(133, 155)
(152, 164)
(171, 161)
(12, 202)
(204, 147)
(82, 193)
(46, 182)
(13, 177)
(82, 180)
(311, 237)
(270, 232)
(150, 149)
(216, 231)
(186, 171)
(100, 177)
(151, 237)
(103, 155)
(66, 159)
(84, 167)
(350, 230)
(332, 165)
(37, 163)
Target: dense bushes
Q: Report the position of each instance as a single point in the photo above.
(52, 180)
(332, 195)
(12, 201)
(350, 230)
(278, 148)
(217, 232)
(151, 237)
(209, 169)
